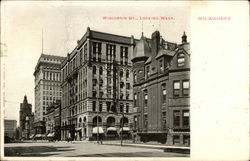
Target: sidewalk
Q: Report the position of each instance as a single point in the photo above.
(166, 148)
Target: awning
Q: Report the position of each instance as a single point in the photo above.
(124, 129)
(79, 128)
(51, 135)
(38, 135)
(43, 135)
(31, 136)
(99, 130)
(111, 129)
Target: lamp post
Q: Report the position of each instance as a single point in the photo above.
(122, 125)
(97, 127)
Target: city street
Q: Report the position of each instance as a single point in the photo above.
(82, 149)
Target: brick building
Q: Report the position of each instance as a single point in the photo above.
(47, 87)
(161, 74)
(97, 86)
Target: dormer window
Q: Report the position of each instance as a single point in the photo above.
(181, 60)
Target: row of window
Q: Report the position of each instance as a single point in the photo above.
(52, 59)
(176, 92)
(162, 64)
(51, 76)
(110, 55)
(181, 118)
(110, 108)
(101, 72)
(177, 140)
(178, 87)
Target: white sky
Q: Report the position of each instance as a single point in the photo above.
(64, 23)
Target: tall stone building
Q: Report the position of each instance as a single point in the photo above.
(161, 75)
(25, 113)
(97, 88)
(47, 87)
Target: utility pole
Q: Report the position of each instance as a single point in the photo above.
(97, 127)
(122, 124)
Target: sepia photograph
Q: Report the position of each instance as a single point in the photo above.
(97, 81)
(109, 79)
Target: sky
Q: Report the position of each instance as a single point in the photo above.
(63, 23)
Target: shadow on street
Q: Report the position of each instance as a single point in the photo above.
(30, 151)
(135, 154)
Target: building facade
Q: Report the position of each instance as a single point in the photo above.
(10, 127)
(97, 86)
(53, 121)
(47, 87)
(25, 114)
(161, 75)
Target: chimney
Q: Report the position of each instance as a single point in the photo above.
(155, 43)
(184, 38)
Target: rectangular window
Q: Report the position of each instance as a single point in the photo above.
(108, 106)
(100, 107)
(186, 139)
(121, 107)
(127, 108)
(185, 86)
(176, 88)
(185, 118)
(164, 93)
(177, 118)
(127, 85)
(110, 52)
(135, 99)
(94, 106)
(176, 139)
(145, 98)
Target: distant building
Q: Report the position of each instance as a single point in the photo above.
(24, 116)
(10, 127)
(97, 86)
(161, 75)
(53, 121)
(47, 87)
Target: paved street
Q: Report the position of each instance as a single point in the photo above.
(82, 149)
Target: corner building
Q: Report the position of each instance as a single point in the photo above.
(97, 87)
(161, 75)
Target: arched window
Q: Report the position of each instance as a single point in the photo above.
(111, 121)
(181, 60)
(121, 73)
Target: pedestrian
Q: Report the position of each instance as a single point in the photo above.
(69, 137)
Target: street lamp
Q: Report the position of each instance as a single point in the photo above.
(122, 125)
(97, 127)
